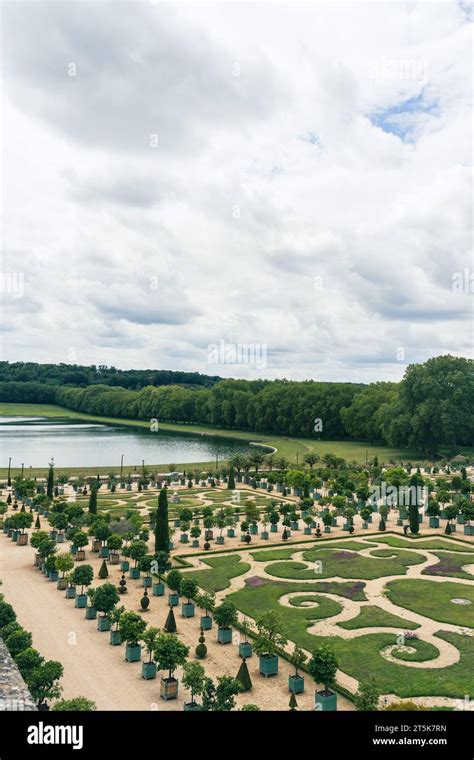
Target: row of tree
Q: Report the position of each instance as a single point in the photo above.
(432, 407)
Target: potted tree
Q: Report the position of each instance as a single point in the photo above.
(195, 533)
(80, 541)
(50, 567)
(24, 520)
(169, 654)
(433, 511)
(245, 646)
(207, 602)
(161, 566)
(296, 681)
(105, 598)
(115, 632)
(173, 580)
(83, 575)
(145, 564)
(188, 589)
(225, 616)
(450, 512)
(327, 519)
(323, 668)
(274, 520)
(64, 564)
(270, 638)
(149, 638)
(366, 515)
(91, 612)
(136, 551)
(193, 680)
(132, 627)
(114, 543)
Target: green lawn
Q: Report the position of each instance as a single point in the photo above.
(222, 569)
(433, 600)
(371, 616)
(291, 448)
(360, 656)
(423, 543)
(451, 565)
(344, 564)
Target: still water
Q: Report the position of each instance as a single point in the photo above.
(33, 442)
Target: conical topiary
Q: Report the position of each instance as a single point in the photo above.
(244, 676)
(201, 649)
(37, 523)
(170, 625)
(448, 529)
(23, 507)
(144, 601)
(284, 535)
(293, 704)
(103, 572)
(382, 524)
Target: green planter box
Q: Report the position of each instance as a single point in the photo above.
(334, 522)
(169, 688)
(268, 665)
(74, 549)
(253, 530)
(296, 684)
(420, 518)
(469, 530)
(434, 522)
(147, 581)
(399, 521)
(327, 528)
(365, 525)
(307, 531)
(184, 538)
(125, 565)
(53, 534)
(81, 601)
(196, 521)
(274, 529)
(231, 532)
(115, 638)
(61, 584)
(173, 599)
(220, 540)
(133, 653)
(54, 576)
(158, 589)
(91, 613)
(294, 525)
(191, 707)
(224, 635)
(103, 623)
(60, 539)
(245, 649)
(264, 535)
(206, 622)
(195, 543)
(134, 573)
(325, 701)
(177, 523)
(187, 609)
(70, 592)
(148, 670)
(460, 519)
(104, 552)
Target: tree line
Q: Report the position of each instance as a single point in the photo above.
(432, 407)
(79, 375)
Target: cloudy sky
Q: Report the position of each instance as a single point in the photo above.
(292, 180)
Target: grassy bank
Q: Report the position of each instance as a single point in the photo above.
(292, 448)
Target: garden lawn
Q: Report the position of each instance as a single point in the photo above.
(222, 569)
(371, 616)
(451, 566)
(433, 599)
(344, 564)
(421, 543)
(360, 656)
(270, 555)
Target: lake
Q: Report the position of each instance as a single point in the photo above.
(33, 441)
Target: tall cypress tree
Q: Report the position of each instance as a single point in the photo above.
(93, 498)
(231, 481)
(50, 481)
(413, 507)
(161, 524)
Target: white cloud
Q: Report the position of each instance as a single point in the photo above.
(272, 211)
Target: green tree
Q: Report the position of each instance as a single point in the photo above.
(323, 666)
(368, 696)
(193, 679)
(161, 526)
(42, 681)
(170, 653)
(76, 704)
(50, 481)
(220, 697)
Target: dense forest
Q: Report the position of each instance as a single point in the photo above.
(432, 406)
(76, 374)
